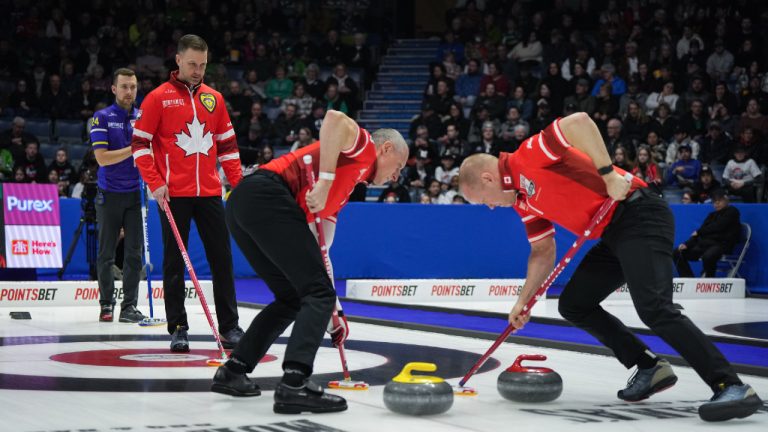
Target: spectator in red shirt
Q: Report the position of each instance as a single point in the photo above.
(497, 78)
(646, 169)
(568, 163)
(279, 242)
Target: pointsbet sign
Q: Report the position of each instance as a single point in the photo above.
(30, 226)
(404, 291)
(431, 290)
(83, 293)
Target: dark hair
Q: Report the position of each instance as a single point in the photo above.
(458, 107)
(718, 194)
(440, 66)
(124, 72)
(307, 130)
(190, 41)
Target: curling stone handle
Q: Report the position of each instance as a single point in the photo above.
(418, 367)
(405, 375)
(532, 357)
(517, 366)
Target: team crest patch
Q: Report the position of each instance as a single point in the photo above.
(527, 186)
(208, 101)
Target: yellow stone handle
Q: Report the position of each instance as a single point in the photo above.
(405, 375)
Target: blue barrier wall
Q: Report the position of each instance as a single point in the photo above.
(424, 241)
(78, 267)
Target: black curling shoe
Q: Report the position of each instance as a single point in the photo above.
(233, 384)
(310, 397)
(180, 340)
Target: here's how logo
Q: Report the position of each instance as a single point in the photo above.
(37, 248)
(33, 246)
(20, 247)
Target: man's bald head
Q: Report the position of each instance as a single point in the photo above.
(472, 168)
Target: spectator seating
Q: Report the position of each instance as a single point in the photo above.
(41, 128)
(48, 151)
(69, 132)
(76, 152)
(730, 263)
(673, 195)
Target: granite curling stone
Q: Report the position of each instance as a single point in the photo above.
(529, 384)
(418, 395)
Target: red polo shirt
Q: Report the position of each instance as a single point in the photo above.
(555, 183)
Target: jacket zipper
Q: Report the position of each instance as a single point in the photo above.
(197, 154)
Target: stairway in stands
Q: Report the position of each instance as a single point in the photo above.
(396, 95)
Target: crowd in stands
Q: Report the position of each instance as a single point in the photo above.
(679, 90)
(279, 64)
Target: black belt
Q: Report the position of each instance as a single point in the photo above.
(273, 176)
(637, 194)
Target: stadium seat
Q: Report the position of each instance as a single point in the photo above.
(76, 152)
(41, 128)
(49, 152)
(730, 263)
(673, 195)
(69, 132)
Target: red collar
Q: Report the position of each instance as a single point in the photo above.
(371, 174)
(507, 177)
(174, 79)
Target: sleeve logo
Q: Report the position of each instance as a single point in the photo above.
(208, 101)
(528, 186)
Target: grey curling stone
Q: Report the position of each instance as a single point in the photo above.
(418, 395)
(529, 384)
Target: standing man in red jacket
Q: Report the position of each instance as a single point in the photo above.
(187, 124)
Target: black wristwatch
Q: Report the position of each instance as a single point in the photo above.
(605, 170)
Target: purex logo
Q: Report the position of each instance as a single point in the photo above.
(25, 205)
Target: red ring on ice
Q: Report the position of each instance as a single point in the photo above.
(143, 358)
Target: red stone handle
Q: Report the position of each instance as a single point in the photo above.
(518, 367)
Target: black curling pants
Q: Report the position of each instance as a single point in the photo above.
(637, 248)
(272, 232)
(208, 213)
